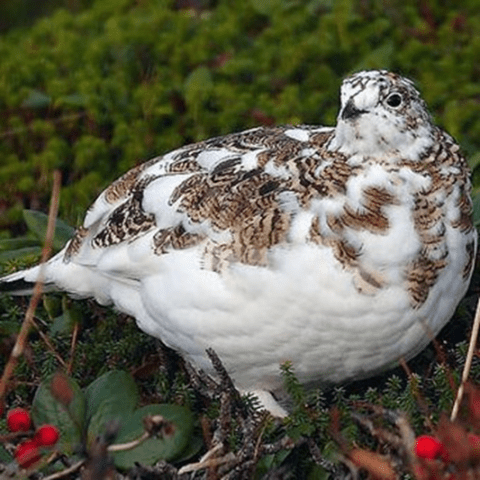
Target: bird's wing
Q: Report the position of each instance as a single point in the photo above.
(228, 194)
(228, 199)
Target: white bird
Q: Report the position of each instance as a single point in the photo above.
(339, 249)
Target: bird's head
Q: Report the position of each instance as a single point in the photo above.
(381, 114)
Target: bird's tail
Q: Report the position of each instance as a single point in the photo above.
(23, 282)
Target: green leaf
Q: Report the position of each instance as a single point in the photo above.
(474, 160)
(37, 99)
(198, 87)
(10, 244)
(67, 314)
(476, 210)
(194, 445)
(155, 449)
(5, 457)
(271, 462)
(380, 57)
(111, 397)
(74, 100)
(69, 420)
(37, 224)
(266, 7)
(18, 249)
(8, 328)
(63, 324)
(53, 305)
(318, 473)
(20, 254)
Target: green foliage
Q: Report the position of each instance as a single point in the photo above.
(293, 387)
(153, 449)
(84, 416)
(26, 249)
(37, 224)
(96, 92)
(111, 397)
(68, 418)
(20, 13)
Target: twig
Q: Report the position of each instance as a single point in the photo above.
(48, 344)
(226, 384)
(73, 344)
(285, 443)
(8, 437)
(468, 363)
(155, 425)
(211, 462)
(120, 447)
(318, 457)
(20, 343)
(226, 381)
(67, 471)
(211, 453)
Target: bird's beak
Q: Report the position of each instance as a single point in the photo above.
(350, 111)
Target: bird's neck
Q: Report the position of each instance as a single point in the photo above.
(381, 142)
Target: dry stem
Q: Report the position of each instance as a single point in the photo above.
(468, 363)
(20, 343)
(120, 447)
(66, 472)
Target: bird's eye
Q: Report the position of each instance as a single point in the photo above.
(394, 100)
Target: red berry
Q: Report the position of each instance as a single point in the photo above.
(18, 420)
(428, 447)
(46, 436)
(27, 454)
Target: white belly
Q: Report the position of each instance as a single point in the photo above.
(306, 309)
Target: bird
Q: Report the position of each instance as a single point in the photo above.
(339, 249)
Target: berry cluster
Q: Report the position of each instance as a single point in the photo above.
(28, 452)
